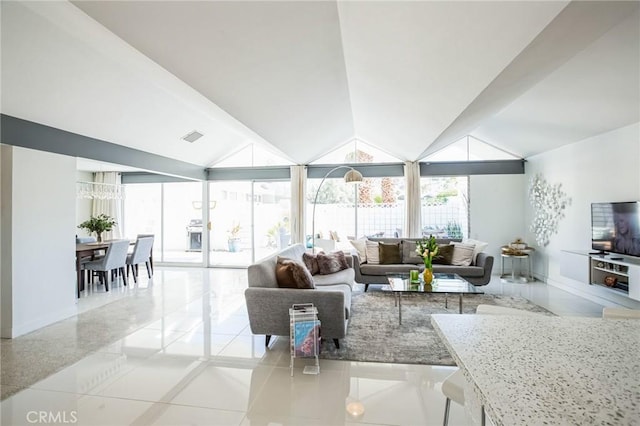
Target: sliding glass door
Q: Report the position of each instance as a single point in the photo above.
(172, 212)
(249, 220)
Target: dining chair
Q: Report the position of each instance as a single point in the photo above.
(620, 313)
(114, 259)
(84, 240)
(141, 254)
(453, 385)
(151, 253)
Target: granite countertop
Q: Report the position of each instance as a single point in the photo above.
(548, 370)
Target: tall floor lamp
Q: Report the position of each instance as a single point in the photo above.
(352, 176)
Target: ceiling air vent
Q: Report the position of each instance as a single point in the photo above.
(193, 136)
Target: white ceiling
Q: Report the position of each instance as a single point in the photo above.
(302, 78)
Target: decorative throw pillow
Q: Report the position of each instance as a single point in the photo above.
(389, 253)
(462, 254)
(332, 262)
(361, 246)
(409, 254)
(293, 274)
(311, 262)
(373, 255)
(445, 254)
(479, 247)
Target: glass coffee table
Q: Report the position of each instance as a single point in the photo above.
(400, 283)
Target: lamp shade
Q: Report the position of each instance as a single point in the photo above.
(353, 176)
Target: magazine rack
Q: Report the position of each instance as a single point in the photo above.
(305, 335)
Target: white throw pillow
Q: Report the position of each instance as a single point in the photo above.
(373, 255)
(462, 254)
(361, 246)
(479, 247)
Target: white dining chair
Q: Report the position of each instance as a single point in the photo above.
(620, 313)
(141, 254)
(84, 240)
(151, 254)
(114, 259)
(453, 385)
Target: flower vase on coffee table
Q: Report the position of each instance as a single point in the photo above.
(427, 249)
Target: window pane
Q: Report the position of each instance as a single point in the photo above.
(379, 211)
(445, 206)
(230, 236)
(142, 213)
(272, 207)
(182, 221)
(335, 208)
(381, 207)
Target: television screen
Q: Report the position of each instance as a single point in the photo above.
(615, 227)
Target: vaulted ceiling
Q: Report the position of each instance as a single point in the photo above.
(302, 78)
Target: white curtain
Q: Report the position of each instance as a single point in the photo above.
(413, 214)
(109, 207)
(298, 198)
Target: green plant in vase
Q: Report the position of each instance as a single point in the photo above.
(233, 238)
(98, 224)
(427, 249)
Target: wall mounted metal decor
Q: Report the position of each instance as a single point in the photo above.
(548, 202)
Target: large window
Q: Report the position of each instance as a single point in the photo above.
(445, 206)
(375, 207)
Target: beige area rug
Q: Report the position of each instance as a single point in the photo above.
(375, 335)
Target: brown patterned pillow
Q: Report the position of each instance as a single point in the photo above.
(445, 255)
(332, 262)
(293, 274)
(390, 253)
(311, 262)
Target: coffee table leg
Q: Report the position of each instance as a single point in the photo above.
(446, 300)
(400, 308)
(460, 304)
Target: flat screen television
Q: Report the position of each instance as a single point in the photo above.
(615, 227)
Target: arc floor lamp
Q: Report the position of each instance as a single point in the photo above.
(352, 176)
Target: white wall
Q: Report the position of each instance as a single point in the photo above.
(497, 205)
(83, 205)
(601, 168)
(41, 239)
(5, 231)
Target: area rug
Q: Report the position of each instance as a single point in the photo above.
(374, 334)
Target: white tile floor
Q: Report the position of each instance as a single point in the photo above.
(199, 364)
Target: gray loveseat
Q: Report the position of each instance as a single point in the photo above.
(478, 273)
(268, 305)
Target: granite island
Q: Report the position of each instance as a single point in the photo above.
(548, 370)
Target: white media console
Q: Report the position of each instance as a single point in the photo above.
(617, 273)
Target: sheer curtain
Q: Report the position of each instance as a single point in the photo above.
(298, 194)
(413, 223)
(109, 207)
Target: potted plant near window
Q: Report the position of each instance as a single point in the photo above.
(98, 224)
(234, 238)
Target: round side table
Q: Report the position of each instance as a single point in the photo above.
(526, 255)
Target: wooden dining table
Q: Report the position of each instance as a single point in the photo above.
(84, 250)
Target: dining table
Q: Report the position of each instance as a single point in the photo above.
(88, 250)
(547, 370)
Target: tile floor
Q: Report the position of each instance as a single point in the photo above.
(177, 350)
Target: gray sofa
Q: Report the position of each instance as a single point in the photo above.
(477, 274)
(268, 305)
